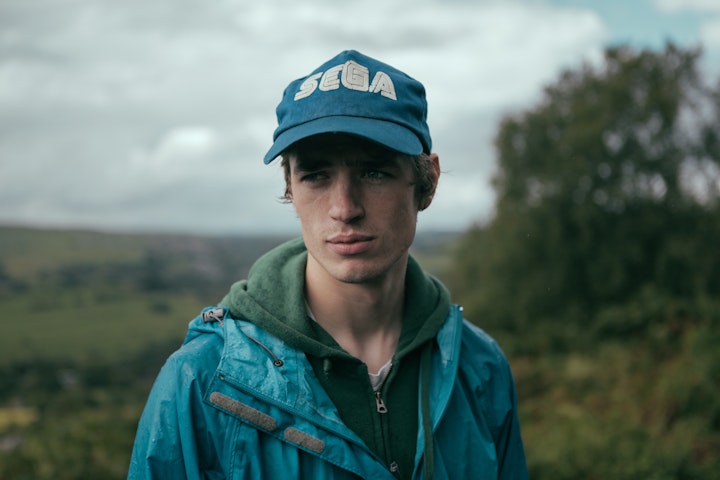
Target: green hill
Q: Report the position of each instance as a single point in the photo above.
(83, 295)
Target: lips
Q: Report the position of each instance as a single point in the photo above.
(350, 244)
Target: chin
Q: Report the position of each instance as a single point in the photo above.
(356, 277)
(361, 272)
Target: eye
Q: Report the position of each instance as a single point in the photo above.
(312, 177)
(376, 175)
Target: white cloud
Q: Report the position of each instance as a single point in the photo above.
(710, 33)
(710, 23)
(157, 114)
(181, 145)
(688, 5)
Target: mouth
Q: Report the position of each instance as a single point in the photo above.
(350, 244)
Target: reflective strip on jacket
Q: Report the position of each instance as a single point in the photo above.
(235, 402)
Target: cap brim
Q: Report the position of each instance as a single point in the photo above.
(388, 134)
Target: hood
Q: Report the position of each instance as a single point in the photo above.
(272, 297)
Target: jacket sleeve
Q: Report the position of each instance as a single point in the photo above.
(169, 442)
(509, 445)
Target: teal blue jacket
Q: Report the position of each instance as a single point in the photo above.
(236, 402)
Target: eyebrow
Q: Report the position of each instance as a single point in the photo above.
(307, 163)
(316, 160)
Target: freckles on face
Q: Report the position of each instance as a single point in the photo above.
(358, 214)
(358, 195)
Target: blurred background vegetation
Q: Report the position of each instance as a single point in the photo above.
(599, 274)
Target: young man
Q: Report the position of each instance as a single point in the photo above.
(339, 357)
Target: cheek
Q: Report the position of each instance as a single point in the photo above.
(400, 217)
(310, 216)
(404, 206)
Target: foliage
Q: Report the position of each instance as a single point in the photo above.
(609, 186)
(85, 416)
(600, 272)
(87, 320)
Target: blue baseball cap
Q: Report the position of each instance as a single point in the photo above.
(355, 94)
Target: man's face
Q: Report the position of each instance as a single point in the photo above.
(357, 207)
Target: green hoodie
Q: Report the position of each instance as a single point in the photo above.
(273, 297)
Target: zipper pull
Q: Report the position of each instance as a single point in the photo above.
(381, 408)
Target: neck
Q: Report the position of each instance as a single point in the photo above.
(364, 318)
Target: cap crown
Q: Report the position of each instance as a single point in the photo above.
(356, 94)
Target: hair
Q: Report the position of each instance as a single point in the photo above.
(423, 169)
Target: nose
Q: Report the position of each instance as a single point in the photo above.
(346, 200)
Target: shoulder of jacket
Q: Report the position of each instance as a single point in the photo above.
(210, 320)
(478, 341)
(485, 364)
(216, 329)
(204, 341)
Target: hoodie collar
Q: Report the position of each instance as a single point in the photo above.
(273, 298)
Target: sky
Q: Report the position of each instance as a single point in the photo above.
(154, 116)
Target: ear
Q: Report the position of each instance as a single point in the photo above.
(435, 174)
(287, 174)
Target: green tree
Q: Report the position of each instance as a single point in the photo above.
(600, 272)
(607, 189)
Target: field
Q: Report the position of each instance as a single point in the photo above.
(89, 297)
(87, 320)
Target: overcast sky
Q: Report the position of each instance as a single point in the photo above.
(155, 115)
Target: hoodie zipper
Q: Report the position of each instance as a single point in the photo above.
(379, 402)
(382, 409)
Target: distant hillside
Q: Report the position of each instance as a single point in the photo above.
(27, 251)
(84, 293)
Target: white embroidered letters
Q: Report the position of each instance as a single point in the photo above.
(384, 85)
(350, 75)
(355, 76)
(308, 86)
(330, 79)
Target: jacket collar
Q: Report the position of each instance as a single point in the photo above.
(250, 363)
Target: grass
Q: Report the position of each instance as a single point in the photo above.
(88, 296)
(74, 325)
(17, 416)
